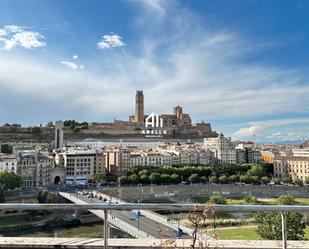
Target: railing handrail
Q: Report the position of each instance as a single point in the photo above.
(152, 206)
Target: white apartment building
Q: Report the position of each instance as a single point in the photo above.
(153, 159)
(8, 163)
(222, 147)
(34, 168)
(301, 152)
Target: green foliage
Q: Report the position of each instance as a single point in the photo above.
(307, 180)
(155, 178)
(99, 178)
(298, 182)
(270, 227)
(194, 178)
(213, 179)
(277, 181)
(286, 200)
(250, 199)
(2, 194)
(10, 180)
(245, 179)
(6, 149)
(257, 170)
(218, 199)
(74, 124)
(265, 180)
(223, 179)
(133, 179)
(123, 180)
(233, 178)
(226, 173)
(44, 196)
(286, 180)
(269, 223)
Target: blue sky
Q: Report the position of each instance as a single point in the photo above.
(240, 65)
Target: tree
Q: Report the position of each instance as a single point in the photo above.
(144, 179)
(10, 180)
(233, 178)
(276, 181)
(286, 200)
(6, 149)
(254, 179)
(123, 180)
(286, 180)
(218, 199)
(250, 199)
(194, 178)
(223, 179)
(154, 178)
(174, 178)
(257, 170)
(264, 180)
(298, 182)
(133, 179)
(245, 179)
(269, 223)
(2, 194)
(213, 179)
(42, 196)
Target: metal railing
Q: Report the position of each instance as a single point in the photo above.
(283, 209)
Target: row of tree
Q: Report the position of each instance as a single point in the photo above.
(245, 173)
(74, 124)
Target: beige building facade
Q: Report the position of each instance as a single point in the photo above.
(291, 166)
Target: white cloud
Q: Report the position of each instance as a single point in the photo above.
(14, 36)
(75, 57)
(2, 32)
(29, 39)
(264, 129)
(70, 64)
(110, 41)
(177, 61)
(14, 28)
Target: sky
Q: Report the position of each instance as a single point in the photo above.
(241, 65)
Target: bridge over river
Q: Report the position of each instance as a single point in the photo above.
(149, 225)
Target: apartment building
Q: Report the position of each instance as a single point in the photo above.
(79, 164)
(34, 167)
(8, 163)
(291, 166)
(117, 160)
(222, 147)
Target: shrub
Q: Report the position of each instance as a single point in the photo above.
(218, 199)
(250, 199)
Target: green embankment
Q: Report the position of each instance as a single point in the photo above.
(19, 219)
(243, 233)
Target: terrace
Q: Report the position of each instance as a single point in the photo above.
(105, 242)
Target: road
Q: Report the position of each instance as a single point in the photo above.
(149, 226)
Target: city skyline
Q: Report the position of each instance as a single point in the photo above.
(82, 61)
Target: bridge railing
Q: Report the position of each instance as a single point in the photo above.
(283, 209)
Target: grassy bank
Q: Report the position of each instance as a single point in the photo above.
(240, 201)
(242, 233)
(20, 219)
